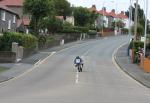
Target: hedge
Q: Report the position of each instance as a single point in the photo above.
(136, 45)
(74, 29)
(92, 32)
(25, 40)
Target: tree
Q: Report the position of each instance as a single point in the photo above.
(83, 17)
(140, 12)
(141, 18)
(119, 24)
(38, 9)
(140, 30)
(52, 24)
(62, 8)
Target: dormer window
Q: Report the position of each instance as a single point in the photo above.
(3, 14)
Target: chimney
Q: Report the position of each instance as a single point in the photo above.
(104, 8)
(113, 10)
(122, 12)
(94, 6)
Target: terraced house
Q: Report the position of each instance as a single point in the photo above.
(17, 6)
(8, 19)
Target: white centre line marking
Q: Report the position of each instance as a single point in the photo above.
(77, 77)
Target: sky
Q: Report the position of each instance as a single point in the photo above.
(119, 5)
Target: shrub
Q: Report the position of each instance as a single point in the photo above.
(124, 30)
(81, 29)
(92, 32)
(27, 41)
(140, 30)
(136, 45)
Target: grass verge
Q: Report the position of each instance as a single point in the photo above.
(3, 69)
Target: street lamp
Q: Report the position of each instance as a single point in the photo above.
(145, 27)
(116, 17)
(130, 17)
(135, 21)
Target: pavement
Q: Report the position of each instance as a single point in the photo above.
(121, 58)
(131, 69)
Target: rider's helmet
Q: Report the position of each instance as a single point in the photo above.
(77, 57)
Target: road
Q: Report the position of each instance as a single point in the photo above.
(56, 80)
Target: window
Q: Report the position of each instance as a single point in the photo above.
(3, 15)
(14, 19)
(9, 24)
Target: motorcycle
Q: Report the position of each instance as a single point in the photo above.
(79, 66)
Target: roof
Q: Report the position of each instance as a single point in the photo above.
(122, 16)
(112, 13)
(25, 21)
(7, 9)
(12, 2)
(93, 9)
(103, 12)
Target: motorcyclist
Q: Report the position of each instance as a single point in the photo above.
(78, 61)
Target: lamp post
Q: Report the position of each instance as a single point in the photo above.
(103, 19)
(145, 28)
(130, 17)
(135, 21)
(116, 32)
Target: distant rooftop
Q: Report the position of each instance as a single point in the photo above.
(12, 2)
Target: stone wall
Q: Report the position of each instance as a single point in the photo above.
(7, 57)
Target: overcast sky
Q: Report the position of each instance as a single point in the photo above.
(122, 5)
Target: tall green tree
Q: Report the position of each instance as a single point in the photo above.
(83, 17)
(52, 24)
(141, 15)
(63, 8)
(38, 9)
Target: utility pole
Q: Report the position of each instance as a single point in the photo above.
(116, 29)
(103, 19)
(130, 17)
(135, 21)
(145, 27)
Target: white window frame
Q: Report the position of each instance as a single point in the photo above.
(14, 18)
(3, 15)
(9, 24)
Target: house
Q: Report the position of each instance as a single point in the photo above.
(15, 5)
(104, 17)
(112, 16)
(23, 25)
(107, 18)
(121, 16)
(69, 19)
(8, 19)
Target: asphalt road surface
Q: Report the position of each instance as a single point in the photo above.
(56, 80)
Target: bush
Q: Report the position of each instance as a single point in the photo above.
(27, 41)
(81, 29)
(136, 45)
(68, 28)
(125, 31)
(140, 30)
(92, 32)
